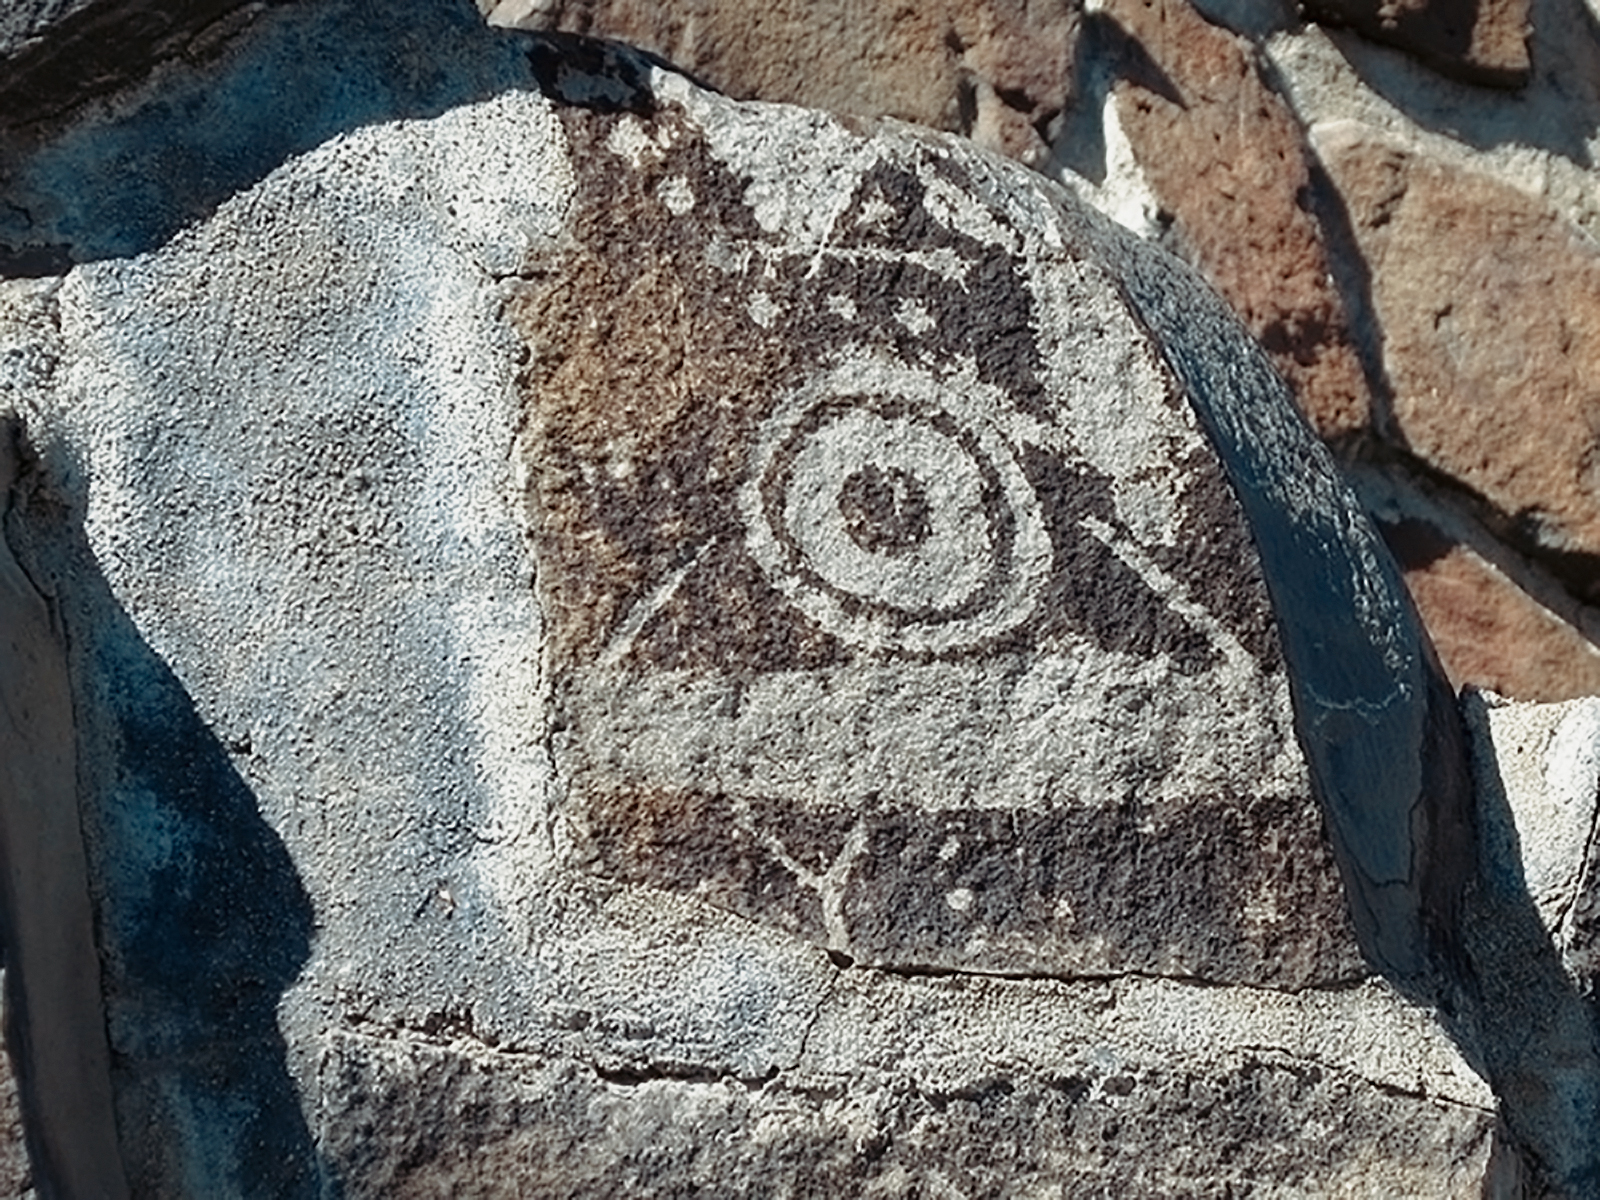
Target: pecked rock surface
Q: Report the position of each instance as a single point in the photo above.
(1202, 124)
(622, 641)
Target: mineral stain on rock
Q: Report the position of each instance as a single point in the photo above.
(916, 576)
(871, 520)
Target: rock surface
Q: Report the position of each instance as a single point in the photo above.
(54, 1013)
(575, 586)
(1488, 631)
(1478, 41)
(999, 72)
(974, 1087)
(1546, 761)
(1530, 930)
(57, 53)
(799, 679)
(1197, 148)
(1224, 156)
(16, 1172)
(1491, 338)
(1203, 146)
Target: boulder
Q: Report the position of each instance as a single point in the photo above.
(1530, 930)
(1476, 41)
(623, 641)
(1486, 298)
(999, 72)
(1488, 631)
(54, 1013)
(979, 1087)
(1544, 760)
(1226, 159)
(55, 54)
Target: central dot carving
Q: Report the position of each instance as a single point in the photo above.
(885, 512)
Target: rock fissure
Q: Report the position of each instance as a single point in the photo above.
(1388, 1087)
(916, 971)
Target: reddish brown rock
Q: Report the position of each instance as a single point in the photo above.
(1000, 71)
(1477, 41)
(1226, 157)
(1490, 308)
(1487, 630)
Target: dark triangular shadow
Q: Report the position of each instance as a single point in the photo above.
(1515, 1012)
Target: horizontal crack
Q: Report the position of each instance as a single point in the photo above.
(933, 971)
(1387, 1088)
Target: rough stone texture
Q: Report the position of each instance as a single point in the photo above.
(1491, 338)
(1488, 631)
(1546, 760)
(53, 1013)
(556, 563)
(1478, 41)
(999, 71)
(56, 53)
(28, 20)
(1531, 931)
(963, 1087)
(16, 1172)
(737, 680)
(1229, 165)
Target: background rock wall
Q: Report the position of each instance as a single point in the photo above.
(1400, 204)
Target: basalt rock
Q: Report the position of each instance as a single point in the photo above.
(999, 72)
(574, 586)
(1491, 334)
(1477, 41)
(1531, 929)
(1489, 632)
(55, 54)
(1226, 158)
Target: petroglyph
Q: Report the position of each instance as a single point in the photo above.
(870, 520)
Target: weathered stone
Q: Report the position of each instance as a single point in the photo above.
(1479, 41)
(1491, 335)
(16, 1172)
(561, 563)
(53, 1010)
(1546, 760)
(976, 1087)
(1530, 930)
(56, 53)
(717, 674)
(999, 71)
(1488, 631)
(1227, 159)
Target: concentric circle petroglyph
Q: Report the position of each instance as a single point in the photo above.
(884, 506)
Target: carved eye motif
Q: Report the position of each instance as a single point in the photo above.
(895, 515)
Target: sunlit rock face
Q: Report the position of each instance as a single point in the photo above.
(895, 596)
(573, 583)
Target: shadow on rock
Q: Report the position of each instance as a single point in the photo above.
(1558, 110)
(1517, 1014)
(304, 73)
(202, 919)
